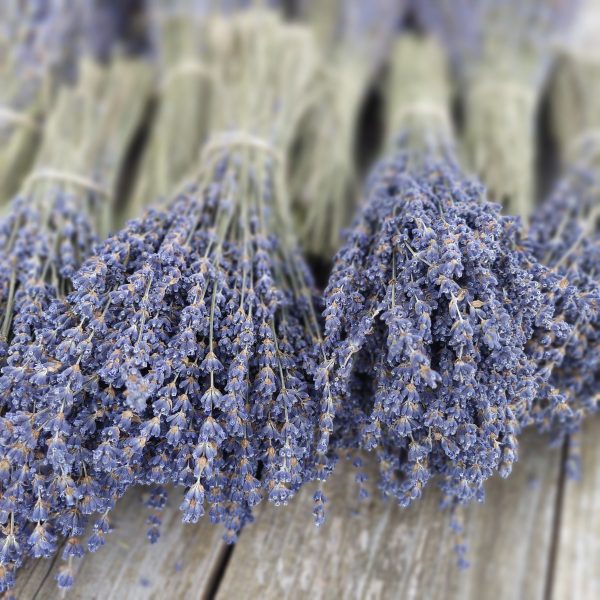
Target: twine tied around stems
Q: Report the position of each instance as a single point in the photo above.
(67, 177)
(240, 139)
(524, 92)
(14, 117)
(583, 146)
(186, 68)
(423, 109)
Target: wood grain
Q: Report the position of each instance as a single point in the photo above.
(577, 569)
(376, 550)
(182, 565)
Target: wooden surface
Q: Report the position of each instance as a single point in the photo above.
(182, 565)
(577, 570)
(519, 546)
(377, 550)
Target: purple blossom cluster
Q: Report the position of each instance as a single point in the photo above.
(184, 354)
(564, 236)
(43, 242)
(439, 327)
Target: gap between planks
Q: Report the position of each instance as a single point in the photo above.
(577, 564)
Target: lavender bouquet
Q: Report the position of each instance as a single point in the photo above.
(431, 309)
(186, 351)
(502, 52)
(50, 229)
(355, 37)
(564, 230)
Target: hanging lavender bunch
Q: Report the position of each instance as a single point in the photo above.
(186, 351)
(355, 37)
(429, 310)
(501, 51)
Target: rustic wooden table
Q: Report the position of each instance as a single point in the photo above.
(537, 536)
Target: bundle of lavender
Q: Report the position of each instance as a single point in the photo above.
(184, 97)
(354, 37)
(575, 110)
(501, 51)
(52, 226)
(37, 51)
(186, 350)
(430, 312)
(564, 236)
(66, 203)
(564, 230)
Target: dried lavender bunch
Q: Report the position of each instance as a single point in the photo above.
(429, 311)
(502, 51)
(355, 37)
(186, 351)
(564, 232)
(564, 236)
(575, 114)
(184, 95)
(65, 204)
(50, 229)
(38, 44)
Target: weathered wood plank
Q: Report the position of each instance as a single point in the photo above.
(182, 564)
(374, 549)
(577, 568)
